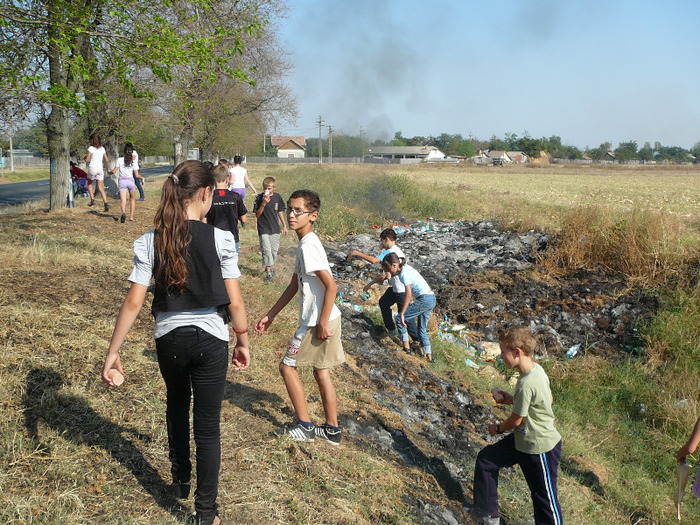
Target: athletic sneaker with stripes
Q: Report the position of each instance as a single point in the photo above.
(329, 433)
(301, 433)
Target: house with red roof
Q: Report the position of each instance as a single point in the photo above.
(289, 147)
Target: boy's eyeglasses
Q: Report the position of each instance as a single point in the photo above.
(297, 213)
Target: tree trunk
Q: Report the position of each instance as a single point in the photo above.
(58, 139)
(57, 134)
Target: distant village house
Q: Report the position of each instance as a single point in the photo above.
(405, 154)
(289, 147)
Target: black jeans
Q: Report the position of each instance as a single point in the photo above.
(194, 363)
(389, 299)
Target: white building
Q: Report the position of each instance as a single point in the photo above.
(289, 147)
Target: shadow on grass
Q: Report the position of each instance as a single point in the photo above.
(254, 401)
(72, 418)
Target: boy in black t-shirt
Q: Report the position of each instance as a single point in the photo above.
(227, 207)
(269, 209)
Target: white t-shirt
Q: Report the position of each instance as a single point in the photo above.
(311, 257)
(395, 281)
(410, 277)
(96, 156)
(238, 173)
(125, 172)
(135, 161)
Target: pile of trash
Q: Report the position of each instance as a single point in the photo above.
(480, 278)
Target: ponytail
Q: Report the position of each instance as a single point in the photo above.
(128, 154)
(172, 227)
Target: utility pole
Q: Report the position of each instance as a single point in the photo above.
(263, 144)
(320, 141)
(330, 144)
(362, 144)
(9, 136)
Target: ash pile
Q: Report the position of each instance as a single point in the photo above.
(489, 279)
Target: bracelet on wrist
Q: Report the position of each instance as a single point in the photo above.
(244, 331)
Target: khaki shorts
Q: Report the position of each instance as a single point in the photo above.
(306, 349)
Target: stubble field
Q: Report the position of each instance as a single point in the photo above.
(76, 452)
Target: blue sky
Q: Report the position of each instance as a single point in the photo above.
(589, 71)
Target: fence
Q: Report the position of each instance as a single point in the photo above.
(27, 162)
(303, 160)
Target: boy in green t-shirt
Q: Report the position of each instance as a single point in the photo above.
(534, 443)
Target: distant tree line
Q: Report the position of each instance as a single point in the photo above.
(456, 145)
(157, 140)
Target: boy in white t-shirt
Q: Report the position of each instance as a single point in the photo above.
(317, 341)
(397, 292)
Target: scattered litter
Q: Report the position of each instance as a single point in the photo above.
(683, 403)
(488, 351)
(571, 352)
(682, 472)
(472, 364)
(479, 306)
(365, 295)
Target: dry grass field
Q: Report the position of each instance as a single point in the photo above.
(76, 452)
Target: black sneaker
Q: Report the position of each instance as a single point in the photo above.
(300, 433)
(123, 219)
(268, 277)
(106, 207)
(329, 434)
(92, 202)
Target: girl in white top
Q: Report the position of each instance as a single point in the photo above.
(238, 178)
(96, 157)
(418, 302)
(128, 173)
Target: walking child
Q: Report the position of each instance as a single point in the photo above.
(96, 157)
(317, 341)
(418, 302)
(269, 210)
(196, 294)
(238, 177)
(227, 207)
(139, 180)
(394, 295)
(534, 443)
(128, 175)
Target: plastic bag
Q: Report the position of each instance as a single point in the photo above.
(682, 471)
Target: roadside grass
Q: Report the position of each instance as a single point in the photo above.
(69, 443)
(22, 174)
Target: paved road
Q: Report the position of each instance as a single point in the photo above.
(20, 192)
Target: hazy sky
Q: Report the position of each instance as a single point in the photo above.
(589, 71)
